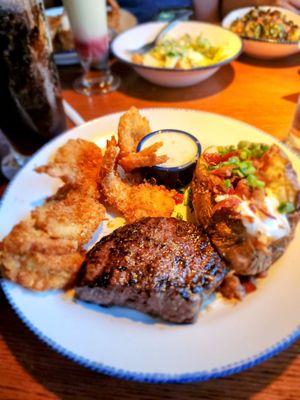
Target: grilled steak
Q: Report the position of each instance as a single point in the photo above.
(161, 266)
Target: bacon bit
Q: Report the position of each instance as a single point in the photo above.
(232, 288)
(230, 202)
(212, 158)
(258, 195)
(230, 191)
(216, 184)
(242, 189)
(264, 162)
(178, 198)
(256, 164)
(265, 211)
(253, 207)
(249, 286)
(216, 158)
(223, 172)
(248, 218)
(218, 190)
(225, 157)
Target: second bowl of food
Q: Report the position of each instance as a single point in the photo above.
(267, 32)
(190, 53)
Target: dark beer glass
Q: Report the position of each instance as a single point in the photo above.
(31, 110)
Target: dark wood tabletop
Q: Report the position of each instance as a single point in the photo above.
(263, 94)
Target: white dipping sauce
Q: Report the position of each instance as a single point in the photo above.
(179, 147)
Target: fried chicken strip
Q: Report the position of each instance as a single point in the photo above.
(45, 250)
(133, 201)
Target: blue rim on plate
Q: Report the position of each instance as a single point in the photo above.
(155, 377)
(171, 169)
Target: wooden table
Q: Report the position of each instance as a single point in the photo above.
(263, 94)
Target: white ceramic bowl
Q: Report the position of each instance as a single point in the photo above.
(263, 48)
(176, 77)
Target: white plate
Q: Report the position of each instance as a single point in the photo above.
(134, 38)
(262, 48)
(127, 21)
(226, 338)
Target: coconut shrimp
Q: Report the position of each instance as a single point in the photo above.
(133, 201)
(132, 128)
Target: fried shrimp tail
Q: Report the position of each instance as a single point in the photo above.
(132, 128)
(144, 158)
(133, 201)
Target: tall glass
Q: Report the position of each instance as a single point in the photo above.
(88, 19)
(31, 106)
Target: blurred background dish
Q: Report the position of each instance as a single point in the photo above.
(62, 38)
(123, 47)
(260, 46)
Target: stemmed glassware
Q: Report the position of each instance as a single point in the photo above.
(88, 19)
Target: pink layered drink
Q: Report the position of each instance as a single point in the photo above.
(89, 25)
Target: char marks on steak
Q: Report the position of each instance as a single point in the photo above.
(161, 266)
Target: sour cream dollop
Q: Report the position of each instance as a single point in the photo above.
(273, 227)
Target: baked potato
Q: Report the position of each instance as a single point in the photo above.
(247, 198)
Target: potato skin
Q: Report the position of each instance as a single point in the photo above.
(243, 252)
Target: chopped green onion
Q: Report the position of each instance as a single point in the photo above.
(254, 182)
(244, 154)
(247, 168)
(227, 183)
(243, 144)
(179, 216)
(225, 149)
(255, 150)
(285, 208)
(238, 172)
(233, 160)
